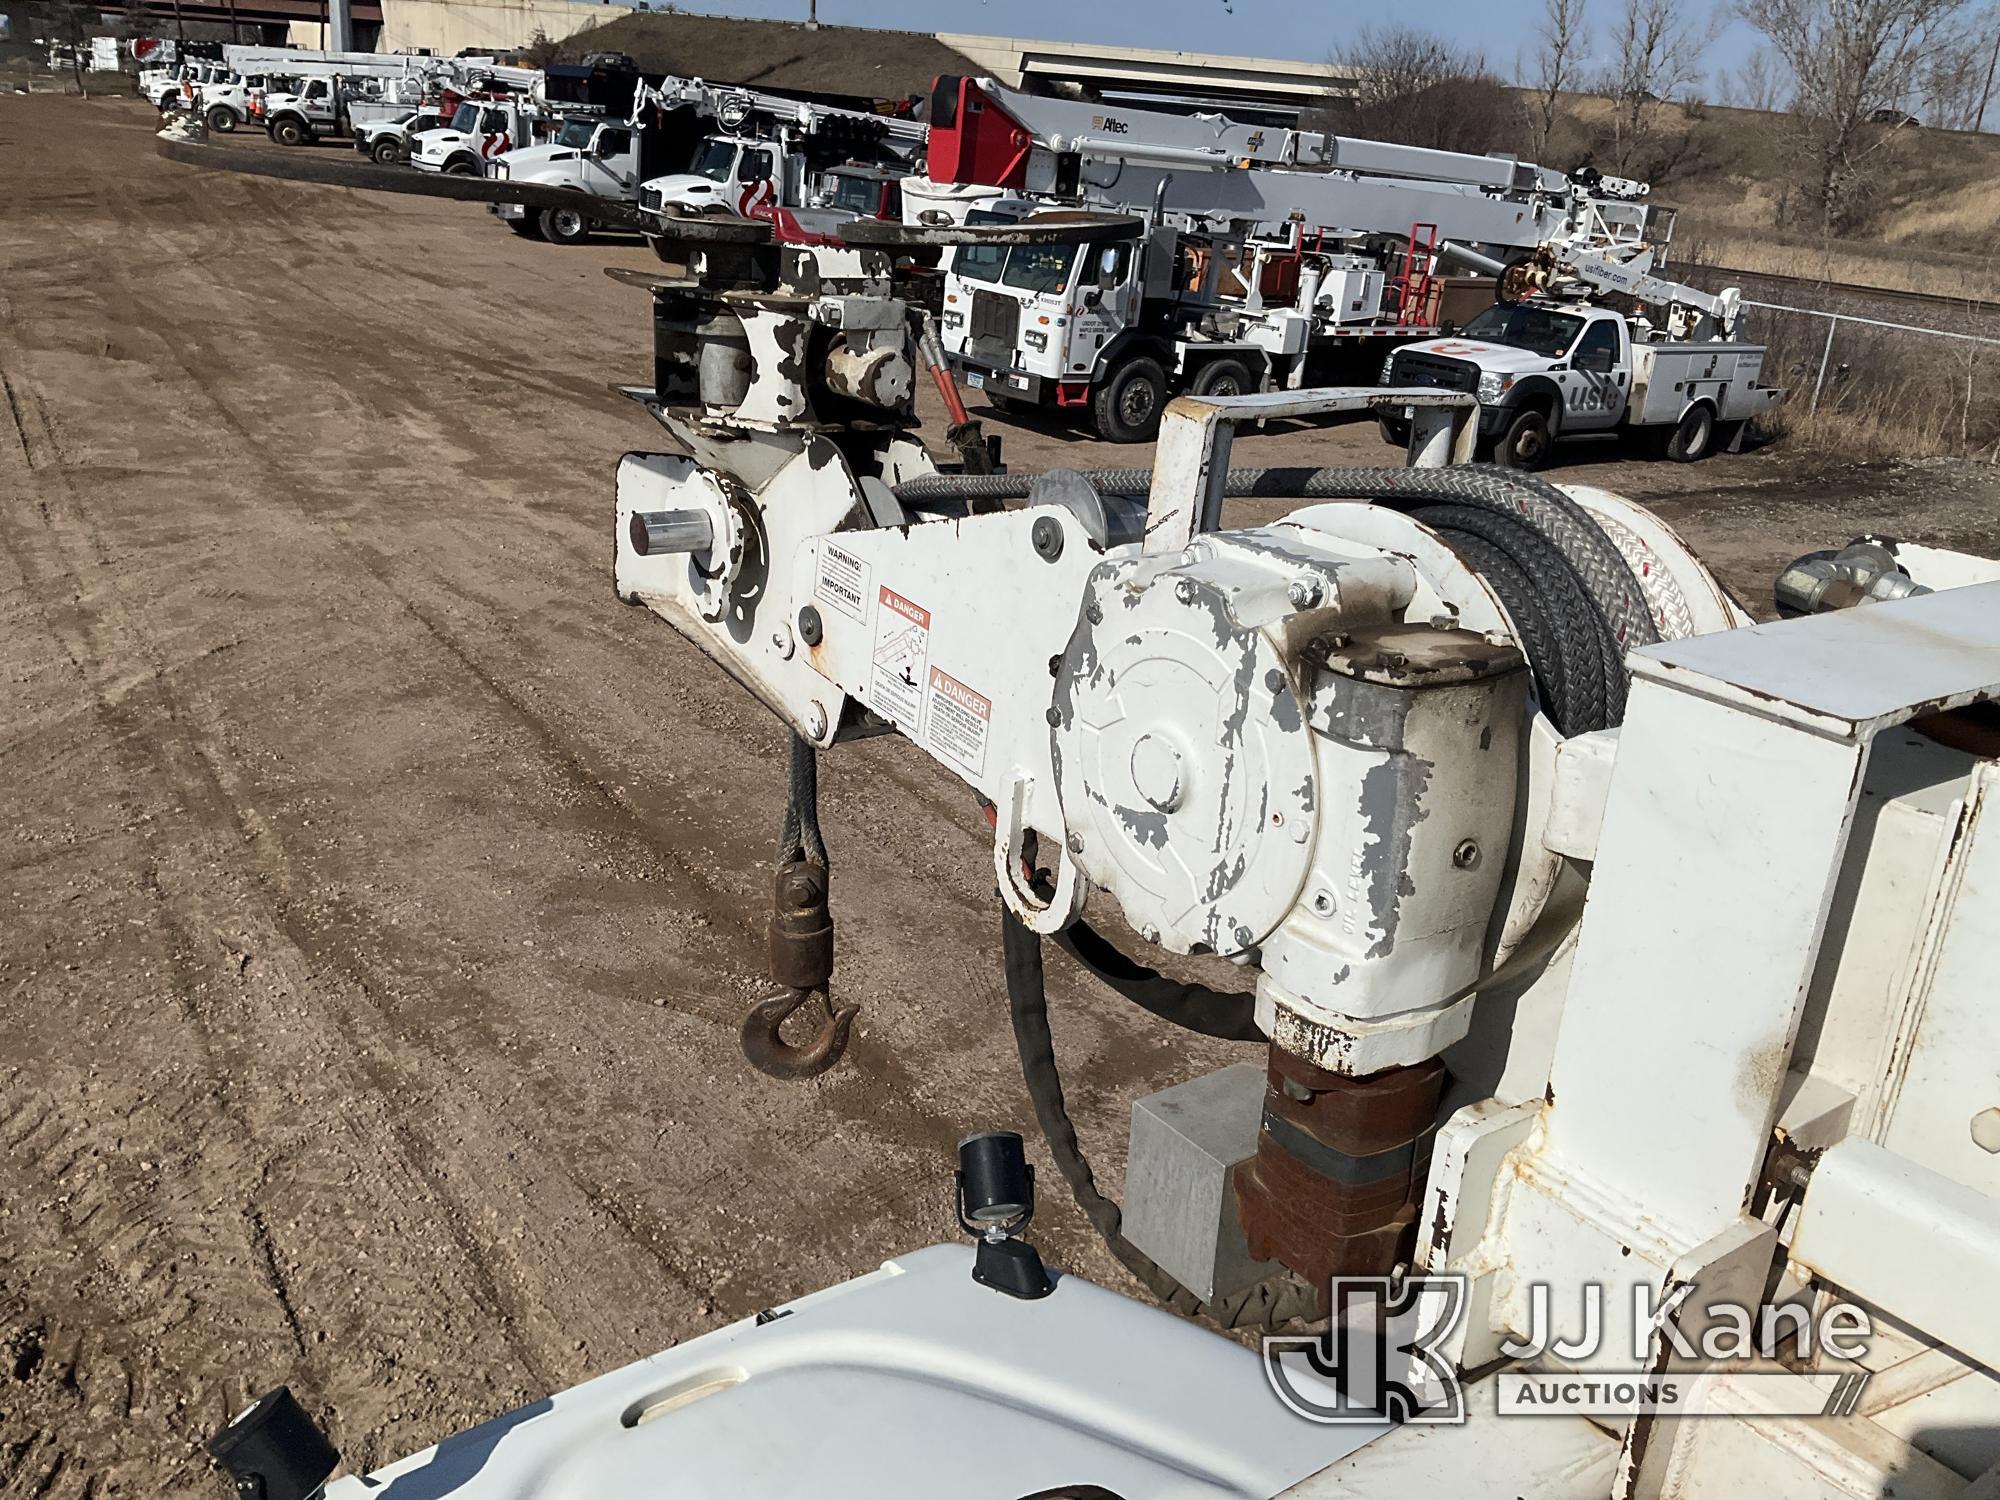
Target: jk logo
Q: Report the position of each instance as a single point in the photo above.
(1379, 1359)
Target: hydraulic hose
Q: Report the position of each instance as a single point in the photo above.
(1573, 598)
(1226, 1016)
(1269, 1304)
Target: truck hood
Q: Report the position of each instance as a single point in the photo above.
(525, 159)
(1501, 359)
(685, 187)
(430, 142)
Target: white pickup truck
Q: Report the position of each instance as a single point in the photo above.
(1545, 371)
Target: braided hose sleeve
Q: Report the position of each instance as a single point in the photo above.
(1270, 1304)
(1226, 1016)
(800, 837)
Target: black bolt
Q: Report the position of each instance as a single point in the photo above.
(1047, 536)
(1466, 855)
(1054, 716)
(810, 630)
(1055, 666)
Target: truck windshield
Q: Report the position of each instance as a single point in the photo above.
(466, 118)
(1522, 327)
(855, 195)
(982, 262)
(1039, 268)
(715, 160)
(576, 134)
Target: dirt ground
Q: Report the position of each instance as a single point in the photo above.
(381, 896)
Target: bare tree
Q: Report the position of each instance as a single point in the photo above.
(1758, 83)
(1418, 89)
(1656, 56)
(1850, 58)
(1561, 42)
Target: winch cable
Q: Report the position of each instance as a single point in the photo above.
(1228, 1016)
(1572, 595)
(800, 837)
(1272, 1303)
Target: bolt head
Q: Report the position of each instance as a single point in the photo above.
(1185, 591)
(1466, 855)
(1075, 842)
(1053, 716)
(1150, 933)
(1322, 903)
(1305, 592)
(815, 722)
(781, 642)
(810, 628)
(1244, 936)
(1093, 613)
(1047, 538)
(1986, 1130)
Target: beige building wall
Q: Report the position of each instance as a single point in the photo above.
(446, 27)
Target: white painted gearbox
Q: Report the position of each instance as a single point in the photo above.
(1183, 757)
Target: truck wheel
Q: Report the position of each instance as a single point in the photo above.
(1527, 444)
(564, 226)
(222, 119)
(1694, 436)
(528, 226)
(1126, 408)
(462, 166)
(1395, 431)
(386, 153)
(1223, 377)
(289, 132)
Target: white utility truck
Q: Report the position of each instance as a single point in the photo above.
(1547, 365)
(769, 159)
(1271, 259)
(388, 141)
(618, 129)
(1615, 1113)
(480, 131)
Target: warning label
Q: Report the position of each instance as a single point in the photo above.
(902, 651)
(958, 721)
(842, 580)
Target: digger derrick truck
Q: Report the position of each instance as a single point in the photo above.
(807, 167)
(1368, 760)
(1265, 261)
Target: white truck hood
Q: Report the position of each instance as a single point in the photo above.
(690, 190)
(436, 142)
(1501, 359)
(524, 160)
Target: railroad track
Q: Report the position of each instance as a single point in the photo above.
(1973, 306)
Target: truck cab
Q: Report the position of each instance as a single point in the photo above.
(479, 131)
(388, 141)
(1540, 371)
(730, 174)
(597, 157)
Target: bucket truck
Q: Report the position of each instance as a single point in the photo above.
(768, 157)
(1266, 259)
(1550, 361)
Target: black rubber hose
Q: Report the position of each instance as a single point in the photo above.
(1228, 1016)
(1270, 1304)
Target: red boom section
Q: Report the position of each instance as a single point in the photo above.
(973, 139)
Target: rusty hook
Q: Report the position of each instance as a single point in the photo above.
(770, 1053)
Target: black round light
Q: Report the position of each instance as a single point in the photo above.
(997, 1184)
(274, 1451)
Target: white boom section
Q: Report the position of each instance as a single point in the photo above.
(1211, 167)
(732, 107)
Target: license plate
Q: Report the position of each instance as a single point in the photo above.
(1019, 382)
(976, 380)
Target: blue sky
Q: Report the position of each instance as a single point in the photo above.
(1306, 29)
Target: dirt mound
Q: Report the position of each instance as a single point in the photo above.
(850, 60)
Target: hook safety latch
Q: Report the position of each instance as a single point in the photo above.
(802, 962)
